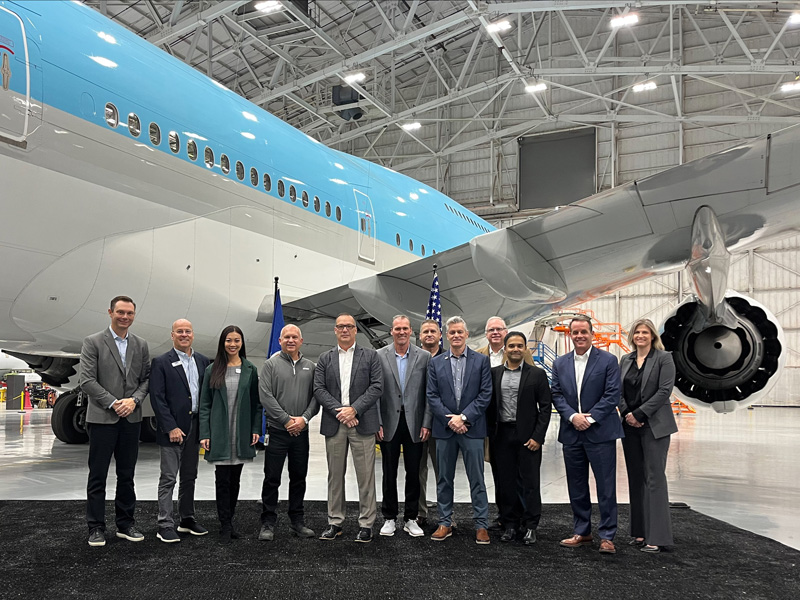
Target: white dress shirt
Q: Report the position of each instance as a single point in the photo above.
(345, 371)
(581, 360)
(496, 358)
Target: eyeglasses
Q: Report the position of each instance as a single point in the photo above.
(496, 330)
(343, 327)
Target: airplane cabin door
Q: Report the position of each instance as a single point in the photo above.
(366, 227)
(15, 78)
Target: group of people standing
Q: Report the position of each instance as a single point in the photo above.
(493, 403)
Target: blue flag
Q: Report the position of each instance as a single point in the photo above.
(277, 325)
(274, 346)
(434, 310)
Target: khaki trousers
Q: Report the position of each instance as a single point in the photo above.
(363, 447)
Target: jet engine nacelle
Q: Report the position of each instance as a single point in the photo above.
(721, 367)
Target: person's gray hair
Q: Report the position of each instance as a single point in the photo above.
(501, 319)
(394, 318)
(285, 327)
(457, 320)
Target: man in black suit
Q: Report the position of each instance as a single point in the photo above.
(517, 419)
(175, 380)
(115, 369)
(348, 383)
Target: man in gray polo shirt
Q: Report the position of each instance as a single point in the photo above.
(286, 387)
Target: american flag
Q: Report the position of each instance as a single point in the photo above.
(434, 310)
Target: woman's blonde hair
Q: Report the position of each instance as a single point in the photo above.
(656, 343)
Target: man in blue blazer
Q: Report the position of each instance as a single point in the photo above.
(175, 381)
(459, 391)
(586, 392)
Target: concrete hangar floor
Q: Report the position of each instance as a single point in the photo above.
(741, 468)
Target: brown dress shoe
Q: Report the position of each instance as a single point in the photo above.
(576, 541)
(607, 547)
(442, 533)
(482, 536)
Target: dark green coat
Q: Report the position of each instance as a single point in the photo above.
(214, 415)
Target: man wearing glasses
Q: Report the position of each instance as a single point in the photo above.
(348, 383)
(496, 332)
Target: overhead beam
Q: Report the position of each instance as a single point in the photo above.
(190, 23)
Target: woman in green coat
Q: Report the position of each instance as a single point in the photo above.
(229, 421)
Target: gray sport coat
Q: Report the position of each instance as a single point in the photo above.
(366, 385)
(104, 379)
(658, 380)
(418, 413)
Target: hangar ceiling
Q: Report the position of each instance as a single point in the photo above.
(459, 70)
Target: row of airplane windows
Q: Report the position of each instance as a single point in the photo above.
(470, 220)
(154, 131)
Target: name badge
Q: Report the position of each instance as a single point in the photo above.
(177, 363)
(238, 369)
(306, 369)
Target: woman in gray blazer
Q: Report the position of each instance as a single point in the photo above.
(648, 376)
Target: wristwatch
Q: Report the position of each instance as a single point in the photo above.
(463, 417)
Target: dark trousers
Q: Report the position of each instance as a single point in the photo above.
(603, 459)
(282, 444)
(514, 463)
(412, 458)
(226, 480)
(646, 463)
(179, 459)
(120, 440)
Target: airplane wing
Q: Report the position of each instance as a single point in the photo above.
(593, 247)
(728, 349)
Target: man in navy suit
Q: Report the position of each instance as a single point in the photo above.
(175, 380)
(459, 391)
(586, 392)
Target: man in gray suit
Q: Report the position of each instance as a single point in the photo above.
(348, 382)
(405, 423)
(115, 368)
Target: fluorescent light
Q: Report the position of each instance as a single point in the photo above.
(104, 62)
(535, 86)
(625, 20)
(411, 126)
(249, 116)
(499, 26)
(643, 87)
(338, 166)
(794, 18)
(248, 135)
(268, 6)
(413, 196)
(791, 87)
(355, 78)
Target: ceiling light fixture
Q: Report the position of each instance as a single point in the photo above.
(644, 87)
(269, 6)
(535, 86)
(625, 20)
(790, 87)
(411, 126)
(794, 18)
(499, 26)
(355, 77)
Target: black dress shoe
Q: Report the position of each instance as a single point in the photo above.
(422, 522)
(496, 525)
(364, 535)
(530, 537)
(225, 536)
(331, 533)
(508, 535)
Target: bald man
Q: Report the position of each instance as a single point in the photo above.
(175, 380)
(286, 388)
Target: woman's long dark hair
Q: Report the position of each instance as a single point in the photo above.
(221, 360)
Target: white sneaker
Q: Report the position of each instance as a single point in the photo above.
(413, 529)
(389, 525)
